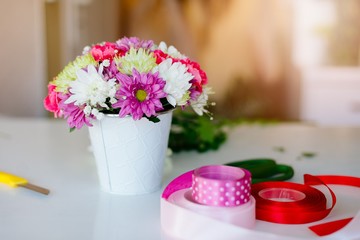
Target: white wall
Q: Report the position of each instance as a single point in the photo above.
(331, 96)
(311, 17)
(22, 58)
(86, 22)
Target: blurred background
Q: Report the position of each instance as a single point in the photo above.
(272, 59)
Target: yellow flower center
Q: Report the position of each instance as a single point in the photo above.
(141, 95)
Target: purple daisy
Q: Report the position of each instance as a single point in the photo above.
(75, 115)
(140, 94)
(111, 71)
(124, 44)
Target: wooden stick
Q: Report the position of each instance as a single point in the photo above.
(35, 188)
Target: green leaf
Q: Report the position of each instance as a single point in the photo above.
(308, 154)
(206, 130)
(190, 131)
(72, 129)
(279, 149)
(153, 119)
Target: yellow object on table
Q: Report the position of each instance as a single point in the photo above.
(16, 181)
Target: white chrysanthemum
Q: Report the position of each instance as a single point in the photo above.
(202, 101)
(171, 50)
(177, 81)
(68, 74)
(91, 89)
(140, 59)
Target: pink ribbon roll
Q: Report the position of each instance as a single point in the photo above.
(226, 190)
(219, 185)
(242, 215)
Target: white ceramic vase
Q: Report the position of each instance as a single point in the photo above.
(130, 154)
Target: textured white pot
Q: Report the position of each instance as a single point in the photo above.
(130, 154)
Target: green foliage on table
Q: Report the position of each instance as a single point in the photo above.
(192, 132)
(309, 154)
(279, 149)
(202, 133)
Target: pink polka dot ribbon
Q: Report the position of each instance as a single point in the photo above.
(219, 185)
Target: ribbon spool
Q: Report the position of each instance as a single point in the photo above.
(242, 215)
(291, 203)
(217, 191)
(218, 185)
(265, 169)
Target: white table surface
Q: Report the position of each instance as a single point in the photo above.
(44, 152)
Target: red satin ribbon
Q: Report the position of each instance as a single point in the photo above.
(340, 180)
(331, 227)
(309, 209)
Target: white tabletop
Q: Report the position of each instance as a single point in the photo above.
(44, 152)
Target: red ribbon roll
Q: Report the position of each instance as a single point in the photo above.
(291, 203)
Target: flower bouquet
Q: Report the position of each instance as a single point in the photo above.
(116, 88)
(129, 77)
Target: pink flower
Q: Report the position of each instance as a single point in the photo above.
(140, 95)
(103, 52)
(75, 115)
(200, 78)
(160, 56)
(111, 71)
(125, 43)
(51, 102)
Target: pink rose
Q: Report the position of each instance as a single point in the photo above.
(104, 52)
(51, 102)
(160, 56)
(200, 78)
